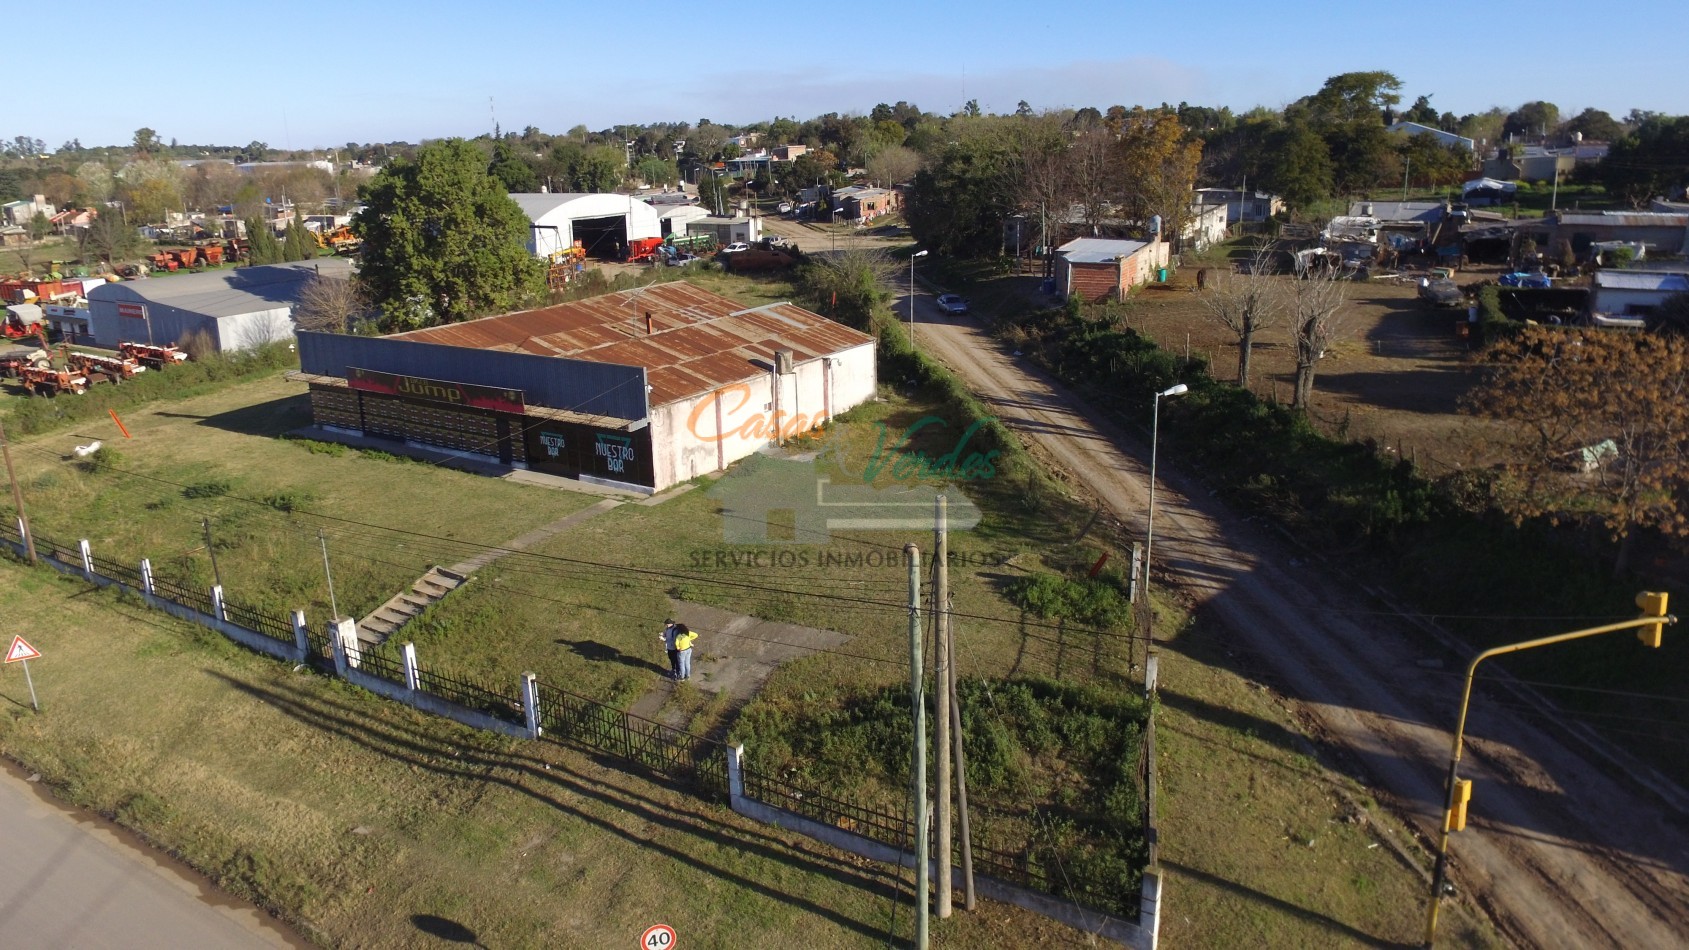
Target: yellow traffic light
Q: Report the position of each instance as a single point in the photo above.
(1462, 795)
(1653, 604)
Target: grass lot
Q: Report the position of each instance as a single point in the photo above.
(215, 456)
(40, 255)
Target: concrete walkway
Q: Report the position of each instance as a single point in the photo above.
(735, 654)
(537, 536)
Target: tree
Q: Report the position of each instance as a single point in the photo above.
(1300, 168)
(298, 245)
(1652, 160)
(847, 286)
(712, 192)
(95, 180)
(1157, 161)
(151, 199)
(330, 305)
(957, 204)
(109, 238)
(39, 226)
(656, 171)
(1567, 393)
(1532, 118)
(442, 239)
(1316, 304)
(1245, 303)
(262, 246)
(1594, 124)
(146, 142)
(508, 167)
(11, 186)
(893, 166)
(60, 189)
(1421, 112)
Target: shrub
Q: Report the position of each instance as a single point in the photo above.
(104, 459)
(209, 488)
(289, 501)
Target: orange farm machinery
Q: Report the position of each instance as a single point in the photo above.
(47, 381)
(109, 368)
(150, 356)
(643, 250)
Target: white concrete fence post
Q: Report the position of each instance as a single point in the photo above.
(146, 575)
(735, 773)
(344, 632)
(1149, 908)
(87, 558)
(217, 602)
(301, 636)
(531, 703)
(23, 532)
(413, 680)
(1152, 669)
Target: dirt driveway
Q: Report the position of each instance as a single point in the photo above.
(1561, 852)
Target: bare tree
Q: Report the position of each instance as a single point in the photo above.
(1096, 177)
(893, 165)
(1046, 182)
(330, 304)
(1246, 303)
(1316, 302)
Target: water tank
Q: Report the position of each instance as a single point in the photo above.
(1366, 209)
(1155, 225)
(1577, 138)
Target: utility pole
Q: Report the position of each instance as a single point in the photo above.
(215, 573)
(918, 765)
(961, 780)
(333, 607)
(941, 683)
(17, 499)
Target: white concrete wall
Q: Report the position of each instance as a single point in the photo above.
(714, 430)
(1615, 300)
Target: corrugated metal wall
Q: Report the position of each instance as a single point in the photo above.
(603, 389)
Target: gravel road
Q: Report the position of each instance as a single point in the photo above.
(1558, 851)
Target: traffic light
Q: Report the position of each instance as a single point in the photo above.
(1462, 795)
(1653, 604)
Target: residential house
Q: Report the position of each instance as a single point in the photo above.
(1660, 232)
(72, 219)
(1629, 293)
(22, 212)
(863, 204)
(1248, 207)
(786, 153)
(1098, 269)
(1206, 227)
(1443, 138)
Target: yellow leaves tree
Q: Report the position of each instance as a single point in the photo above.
(1157, 160)
(1600, 428)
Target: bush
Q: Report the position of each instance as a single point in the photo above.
(210, 488)
(104, 459)
(289, 501)
(1093, 602)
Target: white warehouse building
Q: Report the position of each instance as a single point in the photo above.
(603, 224)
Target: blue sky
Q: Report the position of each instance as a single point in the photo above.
(312, 75)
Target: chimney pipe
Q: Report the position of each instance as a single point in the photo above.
(648, 323)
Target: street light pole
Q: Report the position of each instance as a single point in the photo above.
(1653, 615)
(1154, 443)
(912, 296)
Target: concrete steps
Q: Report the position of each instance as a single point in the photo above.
(406, 605)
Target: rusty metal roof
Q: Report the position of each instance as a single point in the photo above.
(698, 341)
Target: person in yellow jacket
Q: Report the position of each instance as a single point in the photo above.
(683, 640)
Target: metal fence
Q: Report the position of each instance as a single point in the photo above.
(270, 625)
(319, 652)
(128, 576)
(663, 749)
(184, 594)
(377, 664)
(887, 829)
(47, 547)
(469, 694)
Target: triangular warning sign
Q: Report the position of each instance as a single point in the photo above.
(21, 651)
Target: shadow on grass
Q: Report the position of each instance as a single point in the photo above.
(1334, 927)
(553, 785)
(604, 653)
(445, 929)
(265, 419)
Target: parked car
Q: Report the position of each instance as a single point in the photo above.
(735, 247)
(952, 305)
(785, 207)
(1442, 292)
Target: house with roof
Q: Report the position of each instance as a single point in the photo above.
(602, 224)
(236, 309)
(1658, 231)
(1627, 293)
(1098, 269)
(23, 211)
(862, 203)
(637, 390)
(1248, 207)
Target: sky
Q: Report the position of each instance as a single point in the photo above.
(301, 75)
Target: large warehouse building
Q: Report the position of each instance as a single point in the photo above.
(238, 308)
(603, 224)
(639, 390)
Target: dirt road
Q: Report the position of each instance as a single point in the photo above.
(1557, 853)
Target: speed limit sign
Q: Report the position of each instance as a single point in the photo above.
(657, 937)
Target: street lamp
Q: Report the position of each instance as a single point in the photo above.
(1649, 627)
(833, 226)
(1154, 438)
(912, 296)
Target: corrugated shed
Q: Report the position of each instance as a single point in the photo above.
(1642, 280)
(1098, 250)
(1625, 219)
(697, 341)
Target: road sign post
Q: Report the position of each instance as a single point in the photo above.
(22, 652)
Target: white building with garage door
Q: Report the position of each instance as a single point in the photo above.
(603, 224)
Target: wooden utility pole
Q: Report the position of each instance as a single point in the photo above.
(941, 684)
(918, 765)
(961, 782)
(17, 499)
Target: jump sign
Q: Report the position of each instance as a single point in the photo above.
(657, 937)
(22, 652)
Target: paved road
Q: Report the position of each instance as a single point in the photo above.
(70, 881)
(1557, 852)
